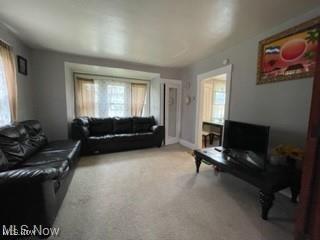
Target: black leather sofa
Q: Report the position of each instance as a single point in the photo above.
(104, 135)
(34, 174)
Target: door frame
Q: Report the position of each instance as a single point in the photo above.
(199, 100)
(308, 214)
(164, 109)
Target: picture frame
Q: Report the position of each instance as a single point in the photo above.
(290, 54)
(22, 65)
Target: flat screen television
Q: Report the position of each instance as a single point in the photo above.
(246, 137)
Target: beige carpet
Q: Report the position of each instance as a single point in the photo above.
(155, 194)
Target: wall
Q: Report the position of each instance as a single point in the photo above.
(51, 98)
(155, 105)
(25, 108)
(283, 105)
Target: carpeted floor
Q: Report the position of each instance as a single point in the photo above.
(154, 194)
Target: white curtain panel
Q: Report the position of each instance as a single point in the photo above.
(85, 97)
(5, 116)
(207, 101)
(9, 82)
(138, 99)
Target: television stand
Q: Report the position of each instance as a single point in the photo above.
(269, 181)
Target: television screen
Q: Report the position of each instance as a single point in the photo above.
(245, 136)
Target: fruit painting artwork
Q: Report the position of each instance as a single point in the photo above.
(290, 54)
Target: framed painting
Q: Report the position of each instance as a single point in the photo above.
(290, 54)
(22, 65)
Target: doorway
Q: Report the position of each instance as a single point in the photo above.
(212, 104)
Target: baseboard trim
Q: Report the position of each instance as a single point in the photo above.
(187, 144)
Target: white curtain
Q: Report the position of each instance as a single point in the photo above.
(138, 98)
(5, 116)
(207, 101)
(219, 92)
(8, 83)
(85, 97)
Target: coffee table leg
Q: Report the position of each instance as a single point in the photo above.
(198, 163)
(266, 200)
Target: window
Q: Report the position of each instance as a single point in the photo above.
(218, 106)
(214, 95)
(111, 97)
(8, 89)
(5, 116)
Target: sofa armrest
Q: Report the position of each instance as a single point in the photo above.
(158, 131)
(79, 130)
(37, 173)
(157, 128)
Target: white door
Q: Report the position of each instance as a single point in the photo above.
(172, 112)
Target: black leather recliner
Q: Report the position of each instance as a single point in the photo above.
(34, 174)
(104, 135)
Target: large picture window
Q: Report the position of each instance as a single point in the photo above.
(110, 97)
(8, 89)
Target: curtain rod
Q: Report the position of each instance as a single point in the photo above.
(100, 75)
(5, 43)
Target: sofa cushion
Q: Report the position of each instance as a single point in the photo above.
(142, 124)
(53, 170)
(54, 152)
(101, 126)
(15, 144)
(3, 161)
(122, 125)
(37, 136)
(61, 145)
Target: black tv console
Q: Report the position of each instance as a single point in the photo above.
(268, 180)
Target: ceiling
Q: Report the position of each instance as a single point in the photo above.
(170, 33)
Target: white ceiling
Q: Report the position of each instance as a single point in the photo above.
(171, 33)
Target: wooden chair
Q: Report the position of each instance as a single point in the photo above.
(217, 135)
(205, 136)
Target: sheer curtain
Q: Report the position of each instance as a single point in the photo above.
(113, 98)
(219, 92)
(8, 97)
(138, 98)
(85, 97)
(110, 97)
(207, 101)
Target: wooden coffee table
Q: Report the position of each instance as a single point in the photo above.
(269, 180)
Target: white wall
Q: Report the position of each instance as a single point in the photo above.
(155, 106)
(283, 105)
(24, 83)
(51, 98)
